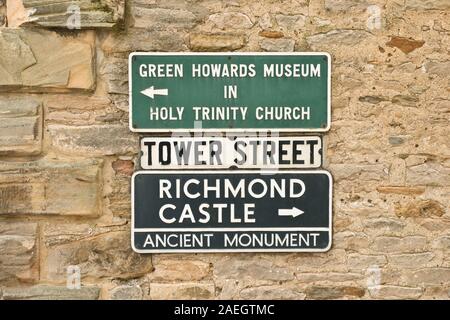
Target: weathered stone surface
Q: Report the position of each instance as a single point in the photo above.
(180, 270)
(429, 276)
(411, 260)
(43, 61)
(252, 268)
(48, 292)
(420, 208)
(136, 40)
(2, 13)
(115, 73)
(20, 126)
(162, 19)
(401, 190)
(118, 195)
(327, 276)
(351, 240)
(383, 224)
(395, 292)
(216, 42)
(397, 172)
(358, 261)
(406, 101)
(272, 293)
(397, 244)
(281, 45)
(428, 174)
(271, 34)
(332, 261)
(334, 292)
(126, 292)
(94, 140)
(123, 167)
(427, 4)
(372, 99)
(70, 14)
(18, 252)
(75, 102)
(50, 186)
(345, 5)
(99, 254)
(265, 21)
(231, 20)
(358, 171)
(290, 22)
(438, 224)
(440, 68)
(177, 291)
(406, 45)
(337, 38)
(442, 243)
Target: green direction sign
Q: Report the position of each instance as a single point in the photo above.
(229, 91)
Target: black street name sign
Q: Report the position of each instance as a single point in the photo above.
(225, 152)
(231, 211)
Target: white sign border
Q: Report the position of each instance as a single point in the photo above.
(243, 130)
(215, 250)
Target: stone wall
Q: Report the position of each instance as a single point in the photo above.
(66, 154)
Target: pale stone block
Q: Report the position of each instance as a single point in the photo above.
(50, 186)
(70, 14)
(50, 292)
(39, 60)
(20, 126)
(18, 252)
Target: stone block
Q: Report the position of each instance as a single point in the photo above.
(98, 252)
(427, 4)
(18, 252)
(94, 140)
(126, 292)
(252, 268)
(231, 20)
(20, 126)
(183, 291)
(180, 270)
(50, 292)
(277, 45)
(340, 37)
(395, 292)
(216, 42)
(272, 293)
(399, 244)
(70, 14)
(40, 60)
(50, 186)
(428, 174)
(162, 19)
(324, 292)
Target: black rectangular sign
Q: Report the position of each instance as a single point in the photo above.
(231, 211)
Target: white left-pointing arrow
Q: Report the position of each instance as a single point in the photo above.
(293, 212)
(152, 92)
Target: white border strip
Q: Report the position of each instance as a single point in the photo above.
(243, 130)
(215, 250)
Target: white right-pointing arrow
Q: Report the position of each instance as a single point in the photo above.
(293, 212)
(152, 92)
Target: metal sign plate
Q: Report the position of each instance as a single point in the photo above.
(226, 152)
(231, 211)
(244, 92)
